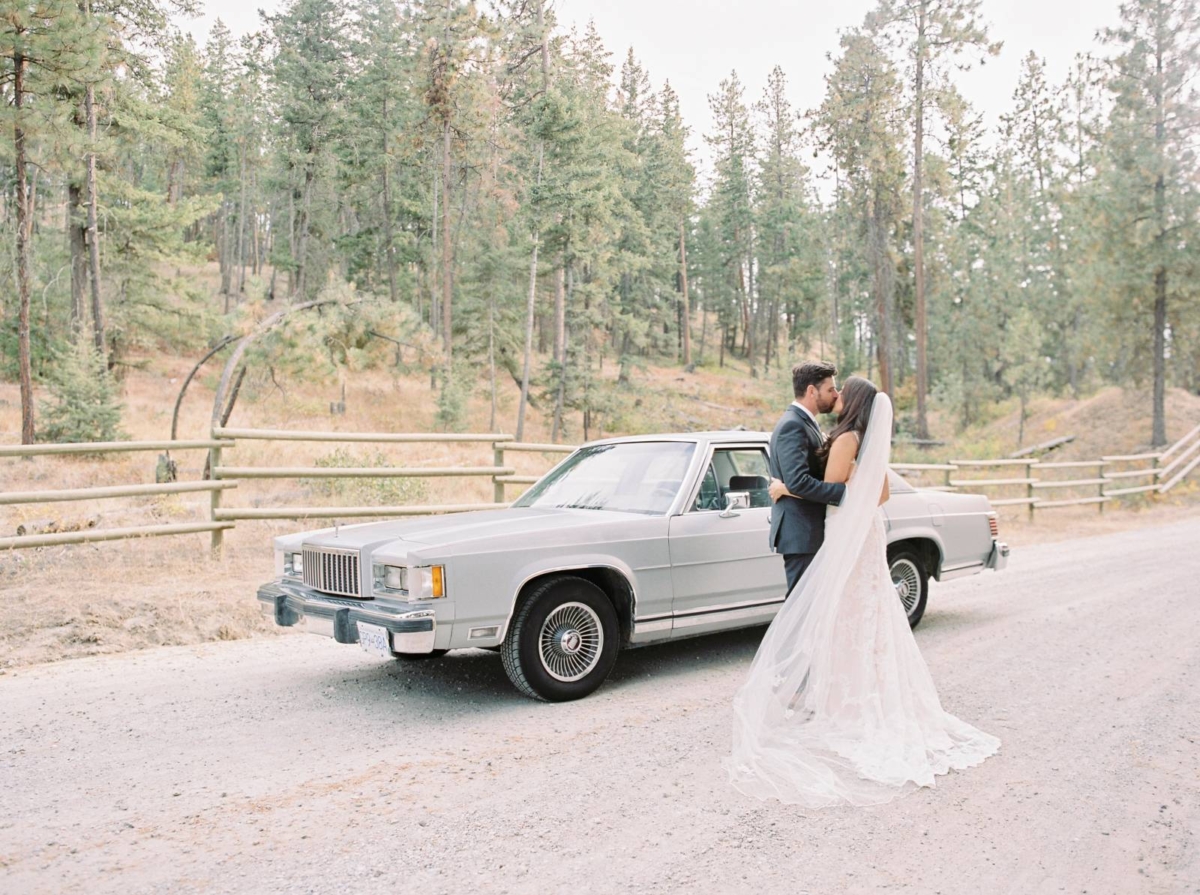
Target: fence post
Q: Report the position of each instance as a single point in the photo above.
(1029, 487)
(498, 461)
(1100, 475)
(218, 535)
(949, 474)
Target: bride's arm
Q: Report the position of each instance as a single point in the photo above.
(887, 491)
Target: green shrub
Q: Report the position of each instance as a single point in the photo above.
(84, 405)
(452, 400)
(364, 492)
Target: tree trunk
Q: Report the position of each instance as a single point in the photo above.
(883, 284)
(1159, 425)
(224, 255)
(77, 246)
(389, 236)
(300, 260)
(389, 248)
(240, 253)
(433, 289)
(529, 311)
(560, 395)
(24, 358)
(93, 230)
(560, 314)
(686, 326)
(919, 230)
(492, 356)
(447, 260)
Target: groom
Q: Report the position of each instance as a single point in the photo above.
(798, 523)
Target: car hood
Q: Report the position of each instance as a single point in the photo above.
(458, 528)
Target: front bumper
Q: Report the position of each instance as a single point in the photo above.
(998, 559)
(409, 630)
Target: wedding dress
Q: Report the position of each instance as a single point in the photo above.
(839, 707)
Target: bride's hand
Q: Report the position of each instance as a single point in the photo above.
(777, 490)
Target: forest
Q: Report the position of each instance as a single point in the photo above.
(486, 195)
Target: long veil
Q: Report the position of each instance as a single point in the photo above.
(839, 707)
(784, 688)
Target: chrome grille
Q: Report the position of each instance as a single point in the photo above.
(332, 571)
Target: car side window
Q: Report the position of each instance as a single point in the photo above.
(709, 496)
(734, 469)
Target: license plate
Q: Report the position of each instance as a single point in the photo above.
(374, 640)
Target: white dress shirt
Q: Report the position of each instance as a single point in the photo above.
(811, 416)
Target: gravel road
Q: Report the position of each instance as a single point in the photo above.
(297, 765)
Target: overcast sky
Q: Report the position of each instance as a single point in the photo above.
(696, 43)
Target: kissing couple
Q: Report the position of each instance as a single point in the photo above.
(839, 707)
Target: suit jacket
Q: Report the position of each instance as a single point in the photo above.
(798, 523)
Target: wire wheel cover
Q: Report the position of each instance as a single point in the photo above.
(570, 642)
(907, 582)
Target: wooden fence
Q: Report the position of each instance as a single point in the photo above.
(10, 498)
(1025, 482)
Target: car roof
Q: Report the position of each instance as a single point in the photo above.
(717, 437)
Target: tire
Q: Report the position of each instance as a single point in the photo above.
(563, 640)
(420, 657)
(911, 581)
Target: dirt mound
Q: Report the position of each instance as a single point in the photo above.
(1113, 421)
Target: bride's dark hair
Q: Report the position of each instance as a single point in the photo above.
(858, 394)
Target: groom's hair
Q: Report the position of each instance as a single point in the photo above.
(810, 373)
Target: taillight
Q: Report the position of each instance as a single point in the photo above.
(994, 525)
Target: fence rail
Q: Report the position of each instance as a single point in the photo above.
(1166, 470)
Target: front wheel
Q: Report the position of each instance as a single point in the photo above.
(911, 582)
(562, 642)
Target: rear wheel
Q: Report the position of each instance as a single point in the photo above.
(562, 642)
(911, 581)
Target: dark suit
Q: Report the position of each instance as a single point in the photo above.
(798, 523)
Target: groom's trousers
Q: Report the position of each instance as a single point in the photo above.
(794, 565)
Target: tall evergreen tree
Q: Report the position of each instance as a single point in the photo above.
(932, 33)
(1151, 174)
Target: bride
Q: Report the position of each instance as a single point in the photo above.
(839, 707)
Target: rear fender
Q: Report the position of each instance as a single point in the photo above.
(927, 543)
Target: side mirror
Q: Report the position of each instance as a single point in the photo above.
(735, 500)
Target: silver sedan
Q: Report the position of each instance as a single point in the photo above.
(626, 542)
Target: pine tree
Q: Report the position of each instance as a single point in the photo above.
(1151, 173)
(932, 33)
(84, 399)
(732, 142)
(858, 124)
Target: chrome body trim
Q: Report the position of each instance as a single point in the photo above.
(961, 571)
(412, 629)
(758, 611)
(645, 630)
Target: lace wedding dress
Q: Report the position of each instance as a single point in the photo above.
(839, 707)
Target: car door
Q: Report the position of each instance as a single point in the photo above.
(723, 572)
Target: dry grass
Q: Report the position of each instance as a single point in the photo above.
(110, 597)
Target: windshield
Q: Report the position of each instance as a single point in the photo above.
(639, 477)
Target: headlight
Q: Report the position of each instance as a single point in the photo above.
(427, 583)
(293, 565)
(423, 583)
(390, 578)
